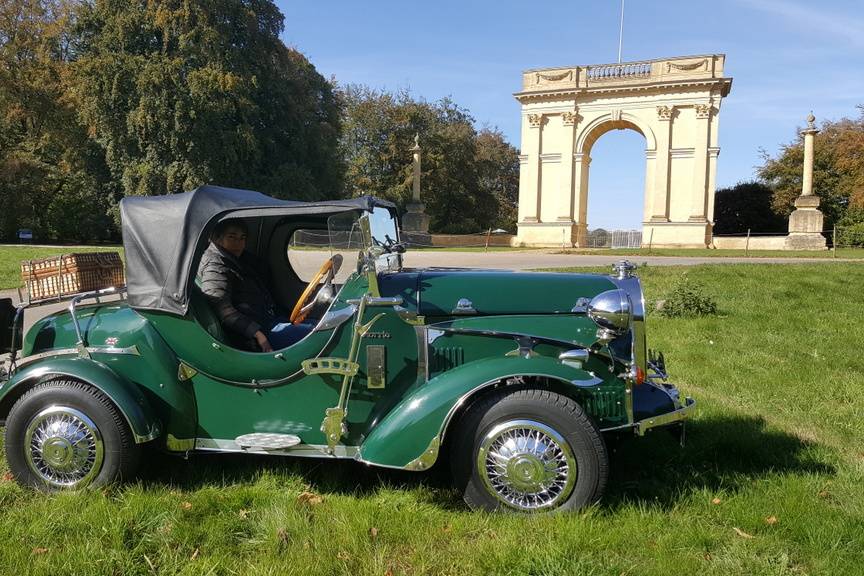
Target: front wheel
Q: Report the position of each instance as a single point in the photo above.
(529, 450)
(66, 434)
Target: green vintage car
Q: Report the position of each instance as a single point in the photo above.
(512, 379)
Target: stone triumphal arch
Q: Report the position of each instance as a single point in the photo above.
(674, 103)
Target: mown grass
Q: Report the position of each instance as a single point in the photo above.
(474, 248)
(769, 481)
(842, 253)
(11, 257)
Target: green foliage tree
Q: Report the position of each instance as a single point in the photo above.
(469, 179)
(51, 174)
(498, 171)
(747, 205)
(850, 228)
(185, 92)
(838, 170)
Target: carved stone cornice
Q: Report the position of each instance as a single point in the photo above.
(665, 112)
(552, 93)
(703, 110)
(536, 120)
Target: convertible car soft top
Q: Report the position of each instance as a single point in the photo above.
(161, 235)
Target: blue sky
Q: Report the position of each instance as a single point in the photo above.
(786, 57)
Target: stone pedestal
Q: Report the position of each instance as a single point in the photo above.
(415, 224)
(805, 225)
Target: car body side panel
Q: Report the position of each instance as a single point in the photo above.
(406, 432)
(127, 344)
(239, 392)
(126, 396)
(574, 329)
(504, 292)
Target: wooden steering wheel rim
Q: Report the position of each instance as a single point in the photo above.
(296, 314)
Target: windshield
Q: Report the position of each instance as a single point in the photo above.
(382, 226)
(381, 242)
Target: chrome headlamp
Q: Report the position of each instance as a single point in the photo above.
(611, 311)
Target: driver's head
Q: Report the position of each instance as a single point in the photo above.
(230, 235)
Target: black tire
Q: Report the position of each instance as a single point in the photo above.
(59, 410)
(515, 412)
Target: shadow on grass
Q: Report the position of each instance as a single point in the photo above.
(722, 453)
(324, 476)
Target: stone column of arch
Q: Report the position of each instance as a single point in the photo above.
(674, 103)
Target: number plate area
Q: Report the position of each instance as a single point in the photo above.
(376, 367)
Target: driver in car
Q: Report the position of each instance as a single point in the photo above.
(228, 277)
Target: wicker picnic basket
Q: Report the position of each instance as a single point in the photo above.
(68, 274)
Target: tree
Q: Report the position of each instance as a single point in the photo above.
(469, 180)
(498, 170)
(47, 162)
(838, 171)
(185, 92)
(747, 205)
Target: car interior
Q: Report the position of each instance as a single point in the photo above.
(291, 250)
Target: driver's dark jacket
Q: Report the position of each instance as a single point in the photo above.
(237, 291)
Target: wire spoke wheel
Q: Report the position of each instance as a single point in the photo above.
(63, 447)
(526, 465)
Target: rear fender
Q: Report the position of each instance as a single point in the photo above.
(125, 395)
(410, 435)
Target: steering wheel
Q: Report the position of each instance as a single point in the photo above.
(306, 301)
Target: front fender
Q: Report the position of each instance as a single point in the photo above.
(410, 434)
(125, 395)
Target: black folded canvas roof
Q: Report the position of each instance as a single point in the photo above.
(162, 233)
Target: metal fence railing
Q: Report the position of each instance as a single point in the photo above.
(601, 238)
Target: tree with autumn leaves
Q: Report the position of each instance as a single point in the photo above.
(470, 178)
(52, 173)
(185, 92)
(838, 179)
(101, 99)
(108, 98)
(838, 170)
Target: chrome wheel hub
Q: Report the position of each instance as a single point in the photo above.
(63, 447)
(526, 465)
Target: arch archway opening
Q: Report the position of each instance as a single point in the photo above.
(595, 134)
(673, 102)
(613, 185)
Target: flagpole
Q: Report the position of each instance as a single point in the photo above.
(621, 32)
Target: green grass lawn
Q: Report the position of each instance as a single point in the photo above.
(842, 253)
(472, 248)
(11, 257)
(769, 481)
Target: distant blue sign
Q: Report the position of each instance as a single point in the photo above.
(25, 234)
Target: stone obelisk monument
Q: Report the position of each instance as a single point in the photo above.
(805, 223)
(415, 222)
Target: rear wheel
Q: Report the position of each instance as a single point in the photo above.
(529, 450)
(66, 434)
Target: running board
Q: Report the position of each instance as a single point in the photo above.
(267, 441)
